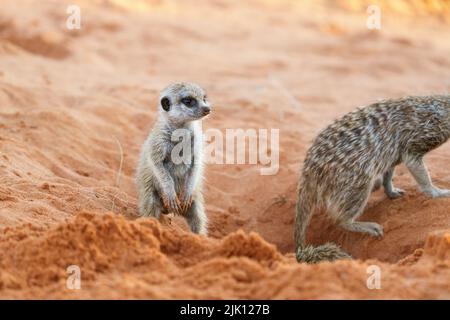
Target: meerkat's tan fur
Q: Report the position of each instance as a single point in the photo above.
(357, 153)
(169, 178)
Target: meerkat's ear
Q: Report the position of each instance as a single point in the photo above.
(165, 103)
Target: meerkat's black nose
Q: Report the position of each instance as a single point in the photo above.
(206, 110)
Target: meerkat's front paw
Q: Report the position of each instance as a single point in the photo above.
(172, 204)
(165, 219)
(185, 201)
(395, 193)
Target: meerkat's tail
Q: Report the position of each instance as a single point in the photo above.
(306, 203)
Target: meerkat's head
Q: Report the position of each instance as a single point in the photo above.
(183, 102)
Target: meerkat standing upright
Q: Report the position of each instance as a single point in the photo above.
(169, 179)
(348, 157)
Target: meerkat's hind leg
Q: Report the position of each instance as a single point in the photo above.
(353, 209)
(391, 191)
(196, 216)
(420, 173)
(377, 184)
(150, 205)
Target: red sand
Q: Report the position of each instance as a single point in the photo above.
(70, 101)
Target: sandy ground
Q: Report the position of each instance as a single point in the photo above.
(76, 105)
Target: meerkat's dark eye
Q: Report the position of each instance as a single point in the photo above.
(165, 103)
(205, 98)
(189, 102)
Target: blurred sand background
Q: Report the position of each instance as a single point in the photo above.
(76, 105)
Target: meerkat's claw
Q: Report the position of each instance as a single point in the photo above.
(165, 219)
(371, 228)
(173, 205)
(179, 206)
(438, 193)
(375, 230)
(395, 193)
(186, 202)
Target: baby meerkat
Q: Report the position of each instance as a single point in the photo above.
(347, 159)
(170, 170)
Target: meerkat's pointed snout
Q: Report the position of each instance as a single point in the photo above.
(206, 111)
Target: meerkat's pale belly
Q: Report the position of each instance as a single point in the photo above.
(181, 167)
(179, 172)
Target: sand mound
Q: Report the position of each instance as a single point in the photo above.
(76, 106)
(48, 44)
(44, 257)
(104, 243)
(35, 262)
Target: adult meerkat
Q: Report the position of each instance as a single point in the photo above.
(169, 178)
(347, 159)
